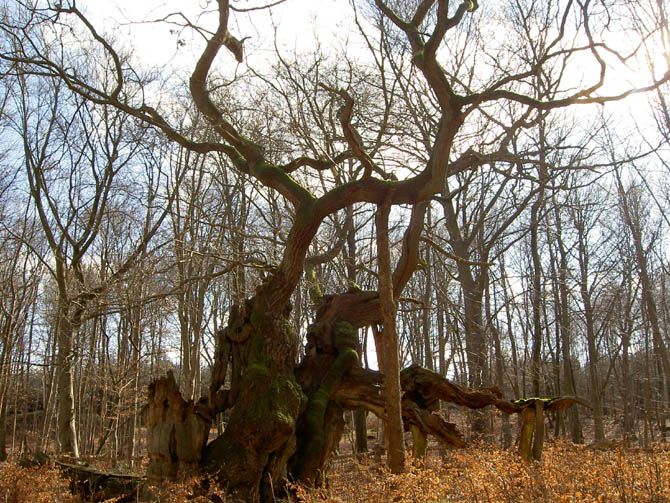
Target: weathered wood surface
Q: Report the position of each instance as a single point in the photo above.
(93, 484)
(532, 431)
(177, 430)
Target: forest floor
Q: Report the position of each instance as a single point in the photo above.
(568, 473)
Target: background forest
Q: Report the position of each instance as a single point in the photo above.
(127, 234)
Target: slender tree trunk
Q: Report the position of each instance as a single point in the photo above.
(626, 392)
(556, 352)
(392, 392)
(360, 416)
(592, 349)
(516, 389)
(594, 377)
(186, 349)
(474, 329)
(631, 217)
(536, 297)
(50, 386)
(3, 417)
(570, 386)
(427, 308)
(472, 285)
(67, 425)
(499, 370)
(441, 340)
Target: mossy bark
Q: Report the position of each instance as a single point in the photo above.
(275, 432)
(531, 436)
(321, 425)
(526, 434)
(538, 436)
(420, 442)
(250, 456)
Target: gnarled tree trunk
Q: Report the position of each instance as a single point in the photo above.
(252, 453)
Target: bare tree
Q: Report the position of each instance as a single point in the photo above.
(73, 152)
(283, 418)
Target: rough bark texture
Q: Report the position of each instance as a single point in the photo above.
(251, 454)
(526, 433)
(278, 435)
(422, 391)
(254, 375)
(321, 425)
(285, 420)
(531, 436)
(177, 430)
(538, 437)
(67, 431)
(95, 485)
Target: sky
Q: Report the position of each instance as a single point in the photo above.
(300, 24)
(297, 22)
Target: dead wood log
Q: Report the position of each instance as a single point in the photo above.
(93, 484)
(422, 391)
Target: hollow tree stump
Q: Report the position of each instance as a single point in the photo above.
(177, 430)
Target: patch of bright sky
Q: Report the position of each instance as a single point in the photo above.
(300, 26)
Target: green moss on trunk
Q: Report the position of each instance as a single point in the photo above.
(260, 435)
(420, 442)
(526, 435)
(538, 436)
(313, 449)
